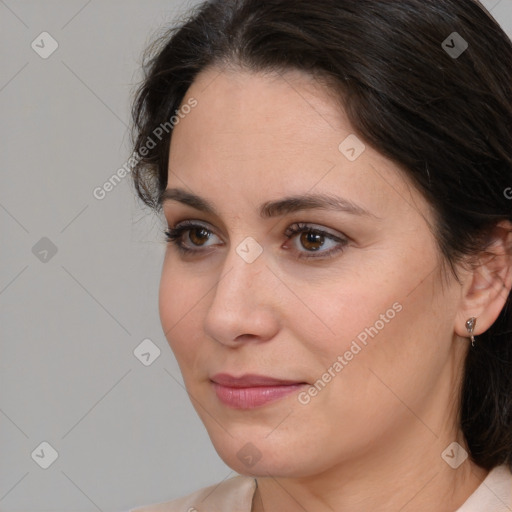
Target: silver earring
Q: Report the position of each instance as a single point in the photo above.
(470, 326)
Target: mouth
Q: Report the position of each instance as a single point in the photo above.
(250, 391)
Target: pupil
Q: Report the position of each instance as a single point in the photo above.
(197, 240)
(309, 240)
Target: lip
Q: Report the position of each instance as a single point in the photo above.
(250, 380)
(250, 391)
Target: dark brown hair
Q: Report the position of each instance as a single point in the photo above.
(445, 119)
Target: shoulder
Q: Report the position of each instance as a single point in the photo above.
(494, 493)
(234, 494)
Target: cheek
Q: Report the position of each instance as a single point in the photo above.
(344, 310)
(178, 305)
(375, 322)
(391, 352)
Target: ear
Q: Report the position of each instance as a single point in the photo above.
(487, 286)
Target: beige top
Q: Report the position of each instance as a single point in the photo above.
(494, 494)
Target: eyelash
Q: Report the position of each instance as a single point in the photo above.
(174, 236)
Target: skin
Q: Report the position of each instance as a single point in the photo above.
(372, 439)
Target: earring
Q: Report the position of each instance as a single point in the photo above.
(470, 326)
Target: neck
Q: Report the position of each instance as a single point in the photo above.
(408, 474)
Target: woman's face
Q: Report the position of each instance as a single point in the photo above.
(301, 351)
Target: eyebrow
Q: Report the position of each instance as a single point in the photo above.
(269, 209)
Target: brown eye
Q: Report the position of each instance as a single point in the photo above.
(312, 241)
(191, 238)
(198, 236)
(308, 240)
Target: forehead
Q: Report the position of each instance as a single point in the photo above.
(265, 102)
(263, 135)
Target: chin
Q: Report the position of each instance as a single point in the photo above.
(257, 456)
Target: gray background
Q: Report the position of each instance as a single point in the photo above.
(125, 433)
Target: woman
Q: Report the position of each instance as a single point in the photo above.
(335, 176)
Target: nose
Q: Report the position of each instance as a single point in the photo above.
(243, 305)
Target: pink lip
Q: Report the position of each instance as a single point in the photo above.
(249, 391)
